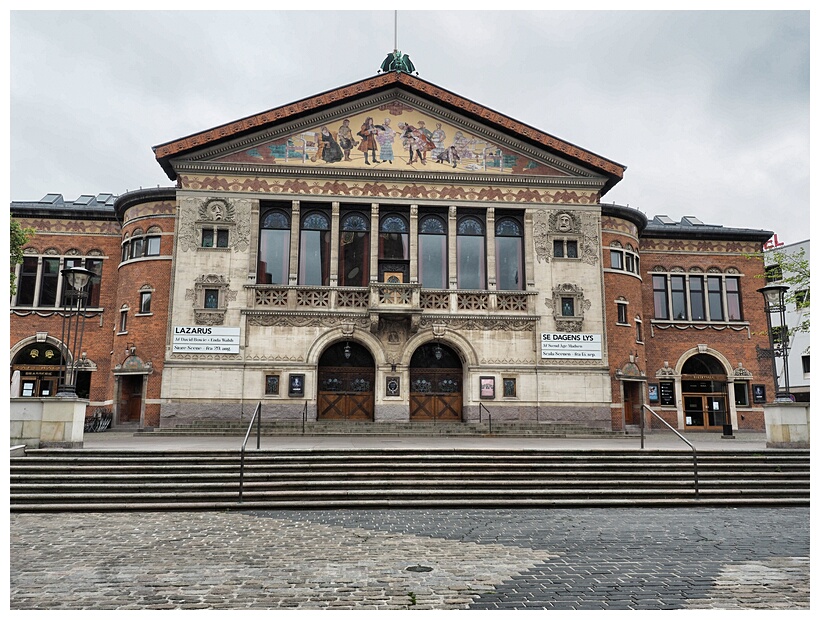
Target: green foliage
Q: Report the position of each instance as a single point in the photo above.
(796, 274)
(19, 237)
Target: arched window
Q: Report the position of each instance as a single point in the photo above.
(433, 252)
(509, 261)
(470, 253)
(314, 250)
(393, 238)
(274, 248)
(354, 250)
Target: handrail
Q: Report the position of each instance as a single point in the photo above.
(304, 417)
(256, 417)
(483, 407)
(686, 441)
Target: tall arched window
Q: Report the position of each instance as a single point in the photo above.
(314, 250)
(394, 248)
(433, 252)
(274, 248)
(470, 253)
(509, 261)
(354, 250)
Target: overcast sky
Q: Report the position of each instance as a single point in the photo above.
(709, 110)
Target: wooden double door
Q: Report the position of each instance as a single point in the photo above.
(435, 395)
(346, 393)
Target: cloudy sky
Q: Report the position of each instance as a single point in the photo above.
(708, 110)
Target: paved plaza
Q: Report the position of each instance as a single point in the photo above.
(647, 559)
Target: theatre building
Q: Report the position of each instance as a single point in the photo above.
(390, 251)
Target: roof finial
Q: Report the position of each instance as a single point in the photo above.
(396, 61)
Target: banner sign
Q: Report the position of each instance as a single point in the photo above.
(203, 339)
(571, 346)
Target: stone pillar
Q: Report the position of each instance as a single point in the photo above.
(334, 245)
(374, 242)
(295, 228)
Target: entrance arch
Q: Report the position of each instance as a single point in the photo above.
(41, 369)
(347, 376)
(703, 389)
(436, 379)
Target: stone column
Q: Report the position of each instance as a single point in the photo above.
(489, 238)
(452, 258)
(374, 242)
(334, 245)
(295, 221)
(414, 244)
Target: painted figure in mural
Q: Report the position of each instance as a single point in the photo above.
(385, 137)
(462, 145)
(346, 139)
(416, 142)
(396, 61)
(438, 137)
(448, 156)
(368, 135)
(328, 147)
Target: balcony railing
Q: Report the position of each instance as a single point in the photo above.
(380, 296)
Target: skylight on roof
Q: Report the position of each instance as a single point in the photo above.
(51, 198)
(665, 219)
(83, 200)
(694, 221)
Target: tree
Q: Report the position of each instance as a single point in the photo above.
(19, 237)
(794, 271)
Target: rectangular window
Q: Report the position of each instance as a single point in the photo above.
(207, 238)
(152, 247)
(622, 314)
(123, 321)
(211, 298)
(630, 262)
(145, 302)
(567, 306)
(715, 294)
(678, 298)
(222, 238)
(95, 265)
(697, 298)
(774, 273)
(126, 249)
(638, 331)
(68, 263)
(137, 247)
(742, 393)
(733, 309)
(572, 249)
(616, 259)
(48, 281)
(27, 281)
(659, 293)
(558, 248)
(806, 359)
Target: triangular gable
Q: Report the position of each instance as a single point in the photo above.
(502, 160)
(394, 136)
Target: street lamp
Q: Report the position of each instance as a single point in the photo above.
(774, 295)
(74, 301)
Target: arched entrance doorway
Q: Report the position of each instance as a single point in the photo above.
(436, 379)
(703, 388)
(347, 375)
(41, 370)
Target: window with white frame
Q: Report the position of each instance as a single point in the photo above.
(41, 285)
(622, 307)
(713, 297)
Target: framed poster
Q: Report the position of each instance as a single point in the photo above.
(667, 392)
(759, 393)
(654, 393)
(487, 387)
(296, 385)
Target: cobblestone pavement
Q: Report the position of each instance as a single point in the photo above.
(745, 558)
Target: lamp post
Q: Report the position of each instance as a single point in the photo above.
(74, 301)
(774, 295)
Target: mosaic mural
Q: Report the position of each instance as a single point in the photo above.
(393, 136)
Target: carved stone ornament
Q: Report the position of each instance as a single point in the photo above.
(563, 322)
(740, 371)
(217, 210)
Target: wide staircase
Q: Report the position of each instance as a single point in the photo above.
(100, 480)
